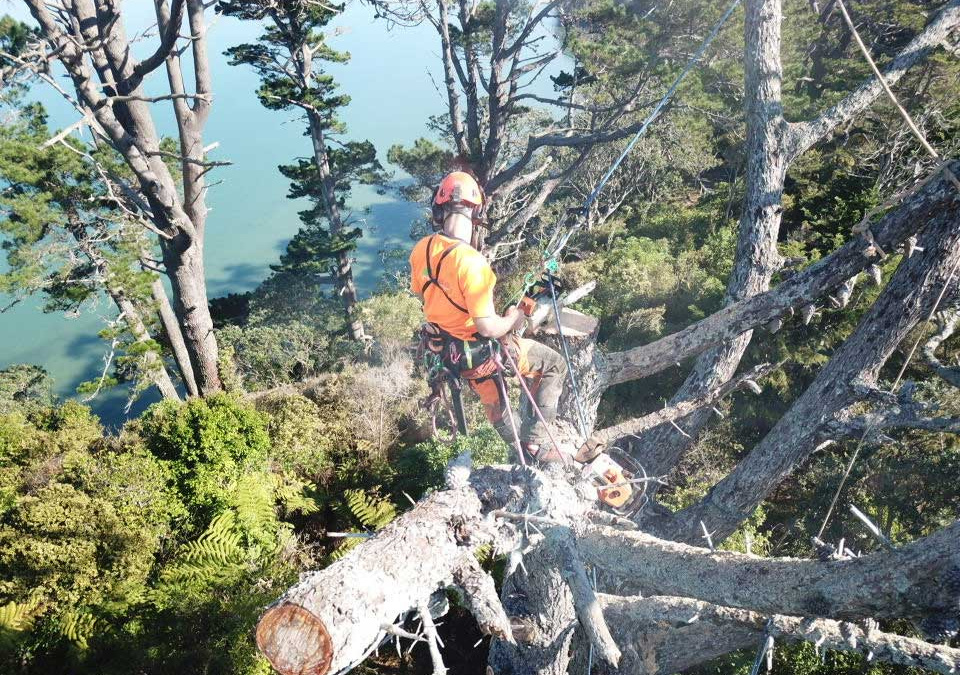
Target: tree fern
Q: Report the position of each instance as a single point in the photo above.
(254, 504)
(16, 616)
(370, 509)
(291, 493)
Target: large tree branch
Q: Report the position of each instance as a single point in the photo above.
(910, 296)
(449, 71)
(903, 415)
(916, 580)
(169, 31)
(937, 202)
(804, 135)
(693, 629)
(158, 189)
(201, 62)
(530, 26)
(671, 413)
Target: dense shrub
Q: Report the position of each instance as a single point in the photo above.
(421, 467)
(303, 434)
(210, 443)
(24, 387)
(81, 522)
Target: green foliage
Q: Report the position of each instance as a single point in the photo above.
(392, 318)
(268, 356)
(303, 434)
(81, 522)
(369, 510)
(66, 239)
(425, 161)
(421, 467)
(210, 444)
(645, 289)
(25, 387)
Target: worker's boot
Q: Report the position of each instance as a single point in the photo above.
(543, 451)
(589, 451)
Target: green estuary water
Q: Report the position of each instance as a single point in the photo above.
(390, 79)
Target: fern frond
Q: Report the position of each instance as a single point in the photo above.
(291, 494)
(370, 509)
(77, 625)
(17, 616)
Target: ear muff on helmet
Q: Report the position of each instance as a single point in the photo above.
(437, 211)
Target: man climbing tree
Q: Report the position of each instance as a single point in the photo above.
(696, 603)
(287, 58)
(456, 285)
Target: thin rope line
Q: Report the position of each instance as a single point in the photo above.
(893, 98)
(873, 423)
(666, 98)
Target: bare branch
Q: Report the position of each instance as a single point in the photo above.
(947, 322)
(678, 411)
(169, 34)
(935, 201)
(804, 135)
(637, 615)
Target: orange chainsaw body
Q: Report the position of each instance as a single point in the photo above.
(612, 486)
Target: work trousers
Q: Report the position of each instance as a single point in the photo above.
(543, 370)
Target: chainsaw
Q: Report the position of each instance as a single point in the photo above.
(537, 304)
(620, 481)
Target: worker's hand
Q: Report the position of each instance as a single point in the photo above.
(516, 315)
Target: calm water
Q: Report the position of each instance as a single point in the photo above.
(251, 219)
(391, 80)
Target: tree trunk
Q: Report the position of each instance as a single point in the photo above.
(174, 336)
(756, 257)
(334, 618)
(158, 370)
(343, 273)
(185, 269)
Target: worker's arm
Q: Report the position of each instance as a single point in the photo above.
(497, 326)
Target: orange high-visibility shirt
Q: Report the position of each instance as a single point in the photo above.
(463, 290)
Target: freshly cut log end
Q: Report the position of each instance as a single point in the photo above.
(294, 640)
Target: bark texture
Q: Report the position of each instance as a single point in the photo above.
(95, 51)
(666, 634)
(908, 298)
(916, 580)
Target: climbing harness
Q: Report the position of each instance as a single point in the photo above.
(433, 277)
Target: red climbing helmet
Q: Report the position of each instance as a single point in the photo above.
(458, 188)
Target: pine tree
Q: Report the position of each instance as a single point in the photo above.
(288, 57)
